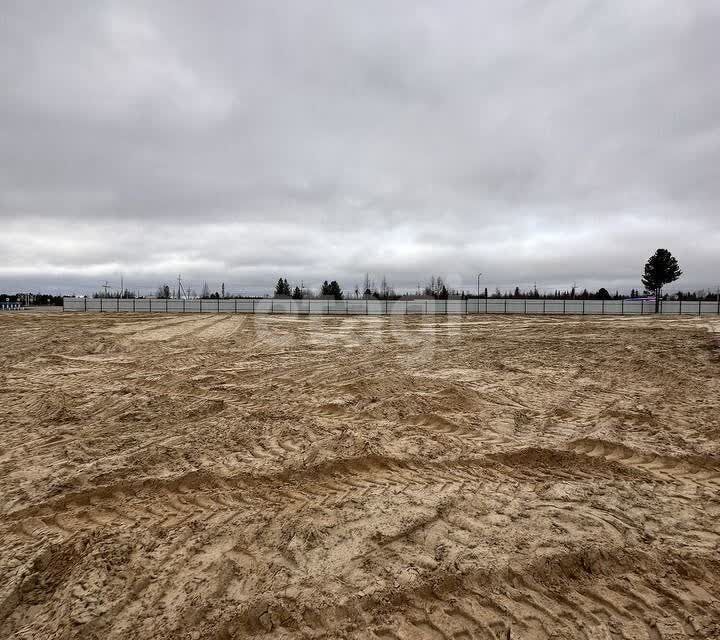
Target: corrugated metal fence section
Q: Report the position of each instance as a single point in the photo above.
(391, 307)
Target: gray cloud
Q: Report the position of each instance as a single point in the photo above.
(545, 142)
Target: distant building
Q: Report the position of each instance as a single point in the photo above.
(7, 305)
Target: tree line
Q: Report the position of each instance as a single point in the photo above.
(327, 290)
(661, 269)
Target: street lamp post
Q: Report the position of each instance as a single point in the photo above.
(478, 283)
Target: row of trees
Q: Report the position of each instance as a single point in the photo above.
(702, 295)
(435, 288)
(327, 290)
(661, 269)
(569, 294)
(332, 289)
(108, 293)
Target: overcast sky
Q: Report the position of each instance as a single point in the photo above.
(537, 141)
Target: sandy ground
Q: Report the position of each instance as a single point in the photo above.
(231, 477)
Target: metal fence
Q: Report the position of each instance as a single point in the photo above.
(499, 306)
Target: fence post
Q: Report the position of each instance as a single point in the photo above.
(166, 305)
(218, 307)
(183, 305)
(680, 312)
(699, 307)
(200, 305)
(544, 306)
(367, 307)
(133, 305)
(272, 305)
(622, 307)
(583, 311)
(505, 312)
(642, 306)
(525, 307)
(603, 307)
(235, 305)
(85, 301)
(485, 305)
(563, 306)
(346, 307)
(101, 309)
(253, 303)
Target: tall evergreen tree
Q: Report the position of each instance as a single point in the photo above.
(282, 288)
(335, 291)
(331, 290)
(661, 268)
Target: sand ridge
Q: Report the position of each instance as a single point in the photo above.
(392, 477)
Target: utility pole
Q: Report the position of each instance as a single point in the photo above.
(180, 287)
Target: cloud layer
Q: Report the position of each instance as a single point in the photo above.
(549, 142)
